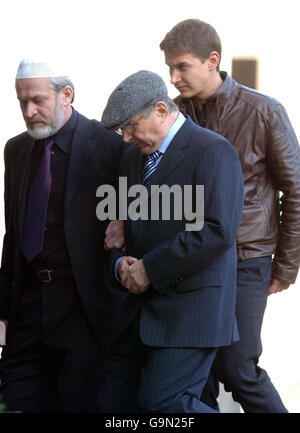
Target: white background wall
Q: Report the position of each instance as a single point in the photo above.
(104, 42)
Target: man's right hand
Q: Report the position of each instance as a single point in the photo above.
(277, 286)
(114, 236)
(3, 326)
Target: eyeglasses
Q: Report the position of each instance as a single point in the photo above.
(126, 127)
(132, 126)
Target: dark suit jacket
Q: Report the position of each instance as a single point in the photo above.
(191, 300)
(94, 161)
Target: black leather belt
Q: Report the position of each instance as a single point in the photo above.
(46, 275)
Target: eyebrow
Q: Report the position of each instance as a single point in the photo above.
(184, 63)
(39, 96)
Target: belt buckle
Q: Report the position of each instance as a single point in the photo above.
(47, 277)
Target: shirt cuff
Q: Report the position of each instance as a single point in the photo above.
(116, 268)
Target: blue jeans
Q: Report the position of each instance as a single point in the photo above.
(236, 366)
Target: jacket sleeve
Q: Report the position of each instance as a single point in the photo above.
(284, 161)
(188, 252)
(7, 261)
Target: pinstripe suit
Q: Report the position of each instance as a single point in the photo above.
(188, 311)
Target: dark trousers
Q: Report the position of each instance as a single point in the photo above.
(52, 362)
(236, 366)
(155, 379)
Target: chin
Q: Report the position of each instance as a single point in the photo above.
(187, 93)
(40, 133)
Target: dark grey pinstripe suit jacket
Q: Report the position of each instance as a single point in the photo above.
(191, 301)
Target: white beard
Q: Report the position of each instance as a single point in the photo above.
(49, 130)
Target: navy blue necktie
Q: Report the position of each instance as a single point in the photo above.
(150, 166)
(37, 205)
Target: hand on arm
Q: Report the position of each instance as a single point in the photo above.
(114, 236)
(277, 286)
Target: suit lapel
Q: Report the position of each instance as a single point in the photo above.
(168, 163)
(173, 156)
(83, 147)
(135, 167)
(25, 160)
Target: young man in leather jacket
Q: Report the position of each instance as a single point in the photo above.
(268, 240)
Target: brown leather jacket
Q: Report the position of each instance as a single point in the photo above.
(260, 131)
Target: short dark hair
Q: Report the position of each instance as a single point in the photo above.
(192, 36)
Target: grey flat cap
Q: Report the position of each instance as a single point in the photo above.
(129, 97)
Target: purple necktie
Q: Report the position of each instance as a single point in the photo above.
(35, 220)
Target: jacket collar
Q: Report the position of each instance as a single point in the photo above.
(226, 89)
(24, 183)
(83, 147)
(224, 92)
(216, 104)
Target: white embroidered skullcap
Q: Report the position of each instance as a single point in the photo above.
(31, 68)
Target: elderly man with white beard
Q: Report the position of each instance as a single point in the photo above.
(53, 290)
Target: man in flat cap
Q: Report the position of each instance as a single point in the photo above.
(52, 285)
(178, 279)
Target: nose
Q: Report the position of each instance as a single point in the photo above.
(175, 76)
(30, 110)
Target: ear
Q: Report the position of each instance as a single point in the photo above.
(161, 109)
(67, 95)
(213, 60)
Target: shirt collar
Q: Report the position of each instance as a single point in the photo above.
(172, 132)
(63, 137)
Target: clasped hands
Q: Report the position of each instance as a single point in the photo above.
(133, 275)
(131, 270)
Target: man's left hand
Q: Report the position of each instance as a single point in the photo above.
(138, 281)
(277, 286)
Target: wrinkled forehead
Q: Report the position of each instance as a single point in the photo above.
(32, 86)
